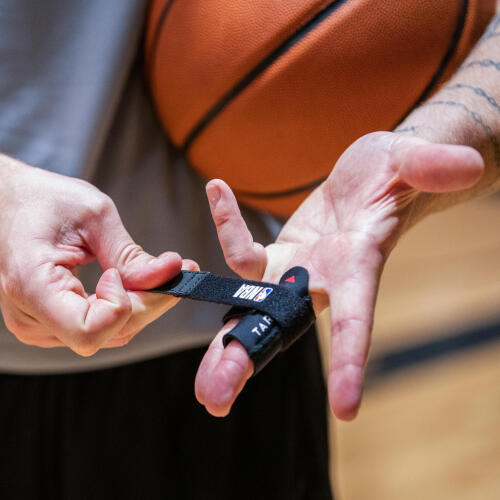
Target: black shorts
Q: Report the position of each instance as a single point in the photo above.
(137, 432)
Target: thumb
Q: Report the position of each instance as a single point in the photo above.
(113, 247)
(437, 168)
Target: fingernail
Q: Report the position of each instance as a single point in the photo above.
(169, 257)
(213, 194)
(190, 265)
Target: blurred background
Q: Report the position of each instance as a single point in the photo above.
(429, 424)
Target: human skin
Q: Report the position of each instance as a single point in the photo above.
(446, 151)
(49, 225)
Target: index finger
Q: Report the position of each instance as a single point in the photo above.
(244, 256)
(57, 299)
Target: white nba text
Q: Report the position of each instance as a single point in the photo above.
(252, 292)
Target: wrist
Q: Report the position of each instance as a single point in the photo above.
(10, 169)
(15, 177)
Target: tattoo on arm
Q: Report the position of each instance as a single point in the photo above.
(410, 128)
(478, 119)
(485, 63)
(478, 91)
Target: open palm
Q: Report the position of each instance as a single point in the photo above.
(342, 234)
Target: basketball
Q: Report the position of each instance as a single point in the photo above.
(266, 94)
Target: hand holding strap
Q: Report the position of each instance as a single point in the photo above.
(273, 316)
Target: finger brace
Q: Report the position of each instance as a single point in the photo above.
(272, 316)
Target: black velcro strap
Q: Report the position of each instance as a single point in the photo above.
(261, 337)
(261, 334)
(274, 316)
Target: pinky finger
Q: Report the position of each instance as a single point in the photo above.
(45, 342)
(27, 330)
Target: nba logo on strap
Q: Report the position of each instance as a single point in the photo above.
(263, 294)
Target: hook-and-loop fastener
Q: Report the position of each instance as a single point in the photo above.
(272, 315)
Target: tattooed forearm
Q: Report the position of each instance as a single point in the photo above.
(478, 119)
(475, 96)
(409, 128)
(485, 63)
(485, 38)
(477, 90)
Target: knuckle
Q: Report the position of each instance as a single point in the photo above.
(130, 252)
(85, 345)
(123, 308)
(103, 204)
(15, 326)
(222, 216)
(123, 340)
(12, 288)
(342, 325)
(82, 184)
(85, 350)
(240, 261)
(99, 204)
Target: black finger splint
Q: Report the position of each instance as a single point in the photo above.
(272, 316)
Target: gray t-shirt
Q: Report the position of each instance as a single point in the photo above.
(73, 100)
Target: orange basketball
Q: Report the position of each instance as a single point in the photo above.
(266, 94)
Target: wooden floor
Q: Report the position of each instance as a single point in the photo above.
(432, 431)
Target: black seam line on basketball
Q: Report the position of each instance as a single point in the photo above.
(257, 70)
(491, 31)
(281, 194)
(455, 39)
(156, 37)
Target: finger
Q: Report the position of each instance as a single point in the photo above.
(242, 254)
(438, 168)
(352, 299)
(190, 265)
(114, 248)
(141, 271)
(26, 329)
(46, 342)
(146, 308)
(82, 324)
(222, 374)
